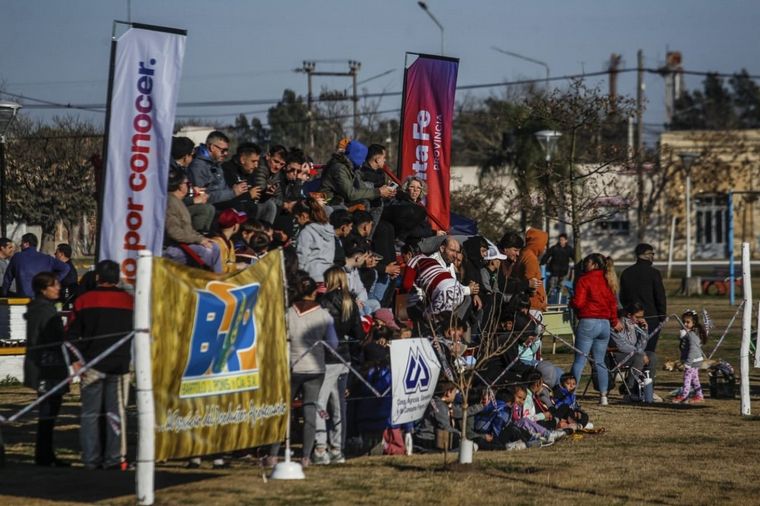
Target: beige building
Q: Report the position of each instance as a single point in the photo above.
(727, 165)
(728, 162)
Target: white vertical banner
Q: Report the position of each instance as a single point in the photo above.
(147, 64)
(414, 373)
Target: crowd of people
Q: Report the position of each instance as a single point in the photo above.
(365, 265)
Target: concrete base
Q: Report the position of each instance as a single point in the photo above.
(287, 471)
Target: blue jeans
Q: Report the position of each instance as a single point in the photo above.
(592, 335)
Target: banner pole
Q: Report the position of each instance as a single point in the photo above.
(746, 328)
(287, 470)
(146, 416)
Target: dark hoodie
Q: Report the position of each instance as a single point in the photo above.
(528, 266)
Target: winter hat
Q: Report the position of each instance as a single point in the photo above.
(356, 152)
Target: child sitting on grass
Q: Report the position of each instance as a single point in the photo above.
(493, 425)
(535, 408)
(438, 417)
(523, 422)
(566, 406)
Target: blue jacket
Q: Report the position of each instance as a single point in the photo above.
(26, 264)
(493, 419)
(564, 398)
(374, 413)
(206, 173)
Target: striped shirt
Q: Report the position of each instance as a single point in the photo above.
(428, 273)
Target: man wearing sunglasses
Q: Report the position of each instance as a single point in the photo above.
(206, 169)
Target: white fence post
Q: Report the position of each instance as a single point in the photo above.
(746, 328)
(146, 416)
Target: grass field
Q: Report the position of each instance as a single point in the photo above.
(662, 454)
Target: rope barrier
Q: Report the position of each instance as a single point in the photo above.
(87, 367)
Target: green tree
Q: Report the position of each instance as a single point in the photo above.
(50, 178)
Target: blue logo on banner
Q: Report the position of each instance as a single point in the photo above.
(417, 375)
(222, 354)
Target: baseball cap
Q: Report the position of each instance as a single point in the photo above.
(229, 217)
(494, 253)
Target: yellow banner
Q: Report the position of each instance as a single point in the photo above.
(220, 363)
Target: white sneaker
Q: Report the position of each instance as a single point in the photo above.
(516, 445)
(557, 434)
(589, 426)
(320, 458)
(603, 401)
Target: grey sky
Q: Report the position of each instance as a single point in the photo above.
(243, 49)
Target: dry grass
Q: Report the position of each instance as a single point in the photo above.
(664, 454)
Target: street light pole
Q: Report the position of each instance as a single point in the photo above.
(687, 160)
(8, 111)
(528, 59)
(424, 7)
(548, 140)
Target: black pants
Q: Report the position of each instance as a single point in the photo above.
(48, 411)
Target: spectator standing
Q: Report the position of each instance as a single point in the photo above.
(641, 282)
(105, 311)
(316, 240)
(44, 365)
(69, 284)
(7, 249)
(529, 269)
(28, 263)
(558, 260)
(597, 313)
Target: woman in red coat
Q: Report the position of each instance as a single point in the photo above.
(596, 307)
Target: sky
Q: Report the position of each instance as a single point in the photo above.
(246, 50)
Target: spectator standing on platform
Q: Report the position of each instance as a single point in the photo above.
(70, 282)
(28, 263)
(7, 249)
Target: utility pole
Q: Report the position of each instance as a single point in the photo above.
(615, 60)
(354, 67)
(309, 68)
(640, 144)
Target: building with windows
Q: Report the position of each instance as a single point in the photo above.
(727, 165)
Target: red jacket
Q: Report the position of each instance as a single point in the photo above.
(593, 297)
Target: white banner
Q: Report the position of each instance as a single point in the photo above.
(414, 370)
(147, 67)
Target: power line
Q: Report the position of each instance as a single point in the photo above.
(48, 104)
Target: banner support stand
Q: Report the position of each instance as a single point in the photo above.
(146, 415)
(746, 329)
(287, 470)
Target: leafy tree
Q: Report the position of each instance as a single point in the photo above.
(50, 178)
(719, 107)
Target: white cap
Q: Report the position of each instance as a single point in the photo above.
(494, 253)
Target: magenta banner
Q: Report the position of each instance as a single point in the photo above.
(427, 119)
